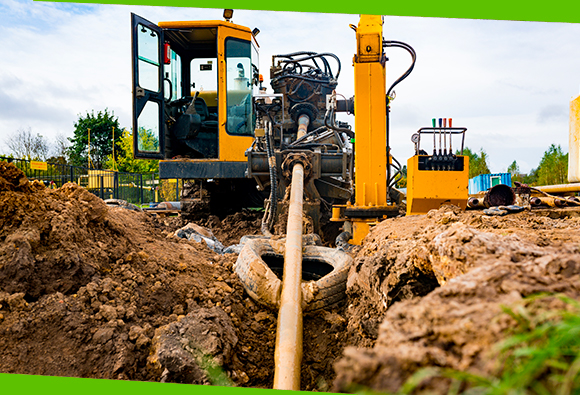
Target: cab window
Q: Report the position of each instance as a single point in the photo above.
(239, 87)
(148, 58)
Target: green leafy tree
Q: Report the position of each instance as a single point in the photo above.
(125, 161)
(553, 168)
(402, 183)
(477, 162)
(514, 170)
(532, 177)
(102, 126)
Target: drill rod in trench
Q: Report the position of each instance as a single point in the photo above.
(288, 352)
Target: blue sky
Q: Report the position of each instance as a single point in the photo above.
(509, 83)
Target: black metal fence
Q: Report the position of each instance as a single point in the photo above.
(107, 184)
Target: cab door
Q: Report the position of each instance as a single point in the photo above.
(148, 99)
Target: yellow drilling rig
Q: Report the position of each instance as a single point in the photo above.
(198, 106)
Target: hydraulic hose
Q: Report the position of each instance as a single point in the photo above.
(312, 56)
(270, 214)
(330, 115)
(408, 48)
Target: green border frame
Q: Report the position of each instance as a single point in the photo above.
(520, 10)
(517, 10)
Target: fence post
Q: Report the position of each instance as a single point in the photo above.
(116, 185)
(72, 171)
(141, 180)
(102, 187)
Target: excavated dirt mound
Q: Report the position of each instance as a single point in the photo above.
(92, 291)
(427, 291)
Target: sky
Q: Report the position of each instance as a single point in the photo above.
(508, 82)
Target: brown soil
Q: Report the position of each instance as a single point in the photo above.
(428, 291)
(92, 291)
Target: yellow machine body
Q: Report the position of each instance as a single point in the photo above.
(429, 189)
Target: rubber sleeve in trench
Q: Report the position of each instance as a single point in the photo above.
(262, 284)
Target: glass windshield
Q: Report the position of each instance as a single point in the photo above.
(239, 87)
(148, 58)
(147, 128)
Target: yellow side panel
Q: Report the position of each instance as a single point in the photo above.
(574, 142)
(429, 189)
(231, 148)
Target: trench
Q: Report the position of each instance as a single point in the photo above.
(312, 269)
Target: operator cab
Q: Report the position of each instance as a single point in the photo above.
(193, 85)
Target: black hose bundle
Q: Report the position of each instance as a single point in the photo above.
(330, 116)
(399, 44)
(270, 213)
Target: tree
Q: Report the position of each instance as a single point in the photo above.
(102, 126)
(402, 183)
(59, 150)
(514, 170)
(23, 144)
(531, 178)
(477, 163)
(125, 161)
(553, 168)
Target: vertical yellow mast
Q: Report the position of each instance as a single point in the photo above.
(370, 108)
(574, 142)
(370, 114)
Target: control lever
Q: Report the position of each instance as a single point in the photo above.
(440, 158)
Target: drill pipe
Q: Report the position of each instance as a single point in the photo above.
(303, 122)
(548, 201)
(474, 202)
(288, 352)
(560, 188)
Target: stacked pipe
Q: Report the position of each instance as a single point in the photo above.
(554, 201)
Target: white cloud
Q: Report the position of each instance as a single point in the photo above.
(508, 82)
